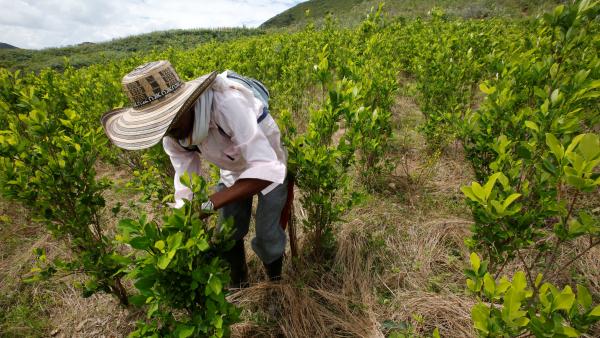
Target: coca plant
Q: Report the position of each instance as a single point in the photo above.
(47, 158)
(515, 308)
(178, 272)
(544, 156)
(535, 134)
(320, 164)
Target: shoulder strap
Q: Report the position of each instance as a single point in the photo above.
(258, 88)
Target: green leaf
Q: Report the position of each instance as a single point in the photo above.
(508, 201)
(475, 261)
(185, 179)
(574, 142)
(128, 226)
(487, 90)
(549, 167)
(202, 244)
(503, 285)
(565, 300)
(478, 191)
(480, 314)
(595, 312)
(544, 107)
(151, 310)
(584, 298)
(531, 125)
(576, 228)
(499, 208)
(570, 332)
(519, 282)
(555, 146)
(489, 185)
(160, 245)
(539, 92)
(471, 285)
(140, 243)
(145, 283)
(469, 193)
(555, 96)
(214, 285)
(138, 300)
(164, 260)
(184, 331)
(174, 241)
(577, 182)
(538, 279)
(489, 285)
(589, 146)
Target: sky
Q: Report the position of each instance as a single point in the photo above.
(36, 24)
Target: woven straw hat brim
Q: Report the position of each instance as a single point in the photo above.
(141, 128)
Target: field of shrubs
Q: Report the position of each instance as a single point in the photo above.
(447, 184)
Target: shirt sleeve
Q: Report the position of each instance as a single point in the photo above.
(183, 161)
(238, 119)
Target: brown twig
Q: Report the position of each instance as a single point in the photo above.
(527, 269)
(567, 264)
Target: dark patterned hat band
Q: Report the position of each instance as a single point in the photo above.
(150, 82)
(157, 96)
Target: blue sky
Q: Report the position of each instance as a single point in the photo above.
(53, 23)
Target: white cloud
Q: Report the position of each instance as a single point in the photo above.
(54, 23)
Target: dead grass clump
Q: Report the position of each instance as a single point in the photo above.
(303, 312)
(354, 263)
(97, 316)
(589, 268)
(452, 172)
(425, 311)
(427, 256)
(329, 300)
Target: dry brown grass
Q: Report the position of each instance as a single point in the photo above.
(96, 316)
(425, 311)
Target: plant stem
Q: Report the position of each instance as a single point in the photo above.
(566, 265)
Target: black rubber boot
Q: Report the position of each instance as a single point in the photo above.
(236, 258)
(274, 269)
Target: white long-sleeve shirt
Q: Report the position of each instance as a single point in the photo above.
(242, 148)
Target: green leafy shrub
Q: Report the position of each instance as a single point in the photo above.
(534, 133)
(320, 165)
(511, 308)
(179, 276)
(47, 158)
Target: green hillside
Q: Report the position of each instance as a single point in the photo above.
(349, 13)
(87, 53)
(352, 11)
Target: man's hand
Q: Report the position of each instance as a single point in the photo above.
(241, 189)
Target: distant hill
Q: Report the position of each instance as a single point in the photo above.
(87, 53)
(350, 12)
(7, 46)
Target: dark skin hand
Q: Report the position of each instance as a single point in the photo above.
(240, 190)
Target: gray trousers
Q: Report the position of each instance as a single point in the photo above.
(270, 239)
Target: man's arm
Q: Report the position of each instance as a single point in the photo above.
(242, 188)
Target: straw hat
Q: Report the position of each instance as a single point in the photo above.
(158, 97)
